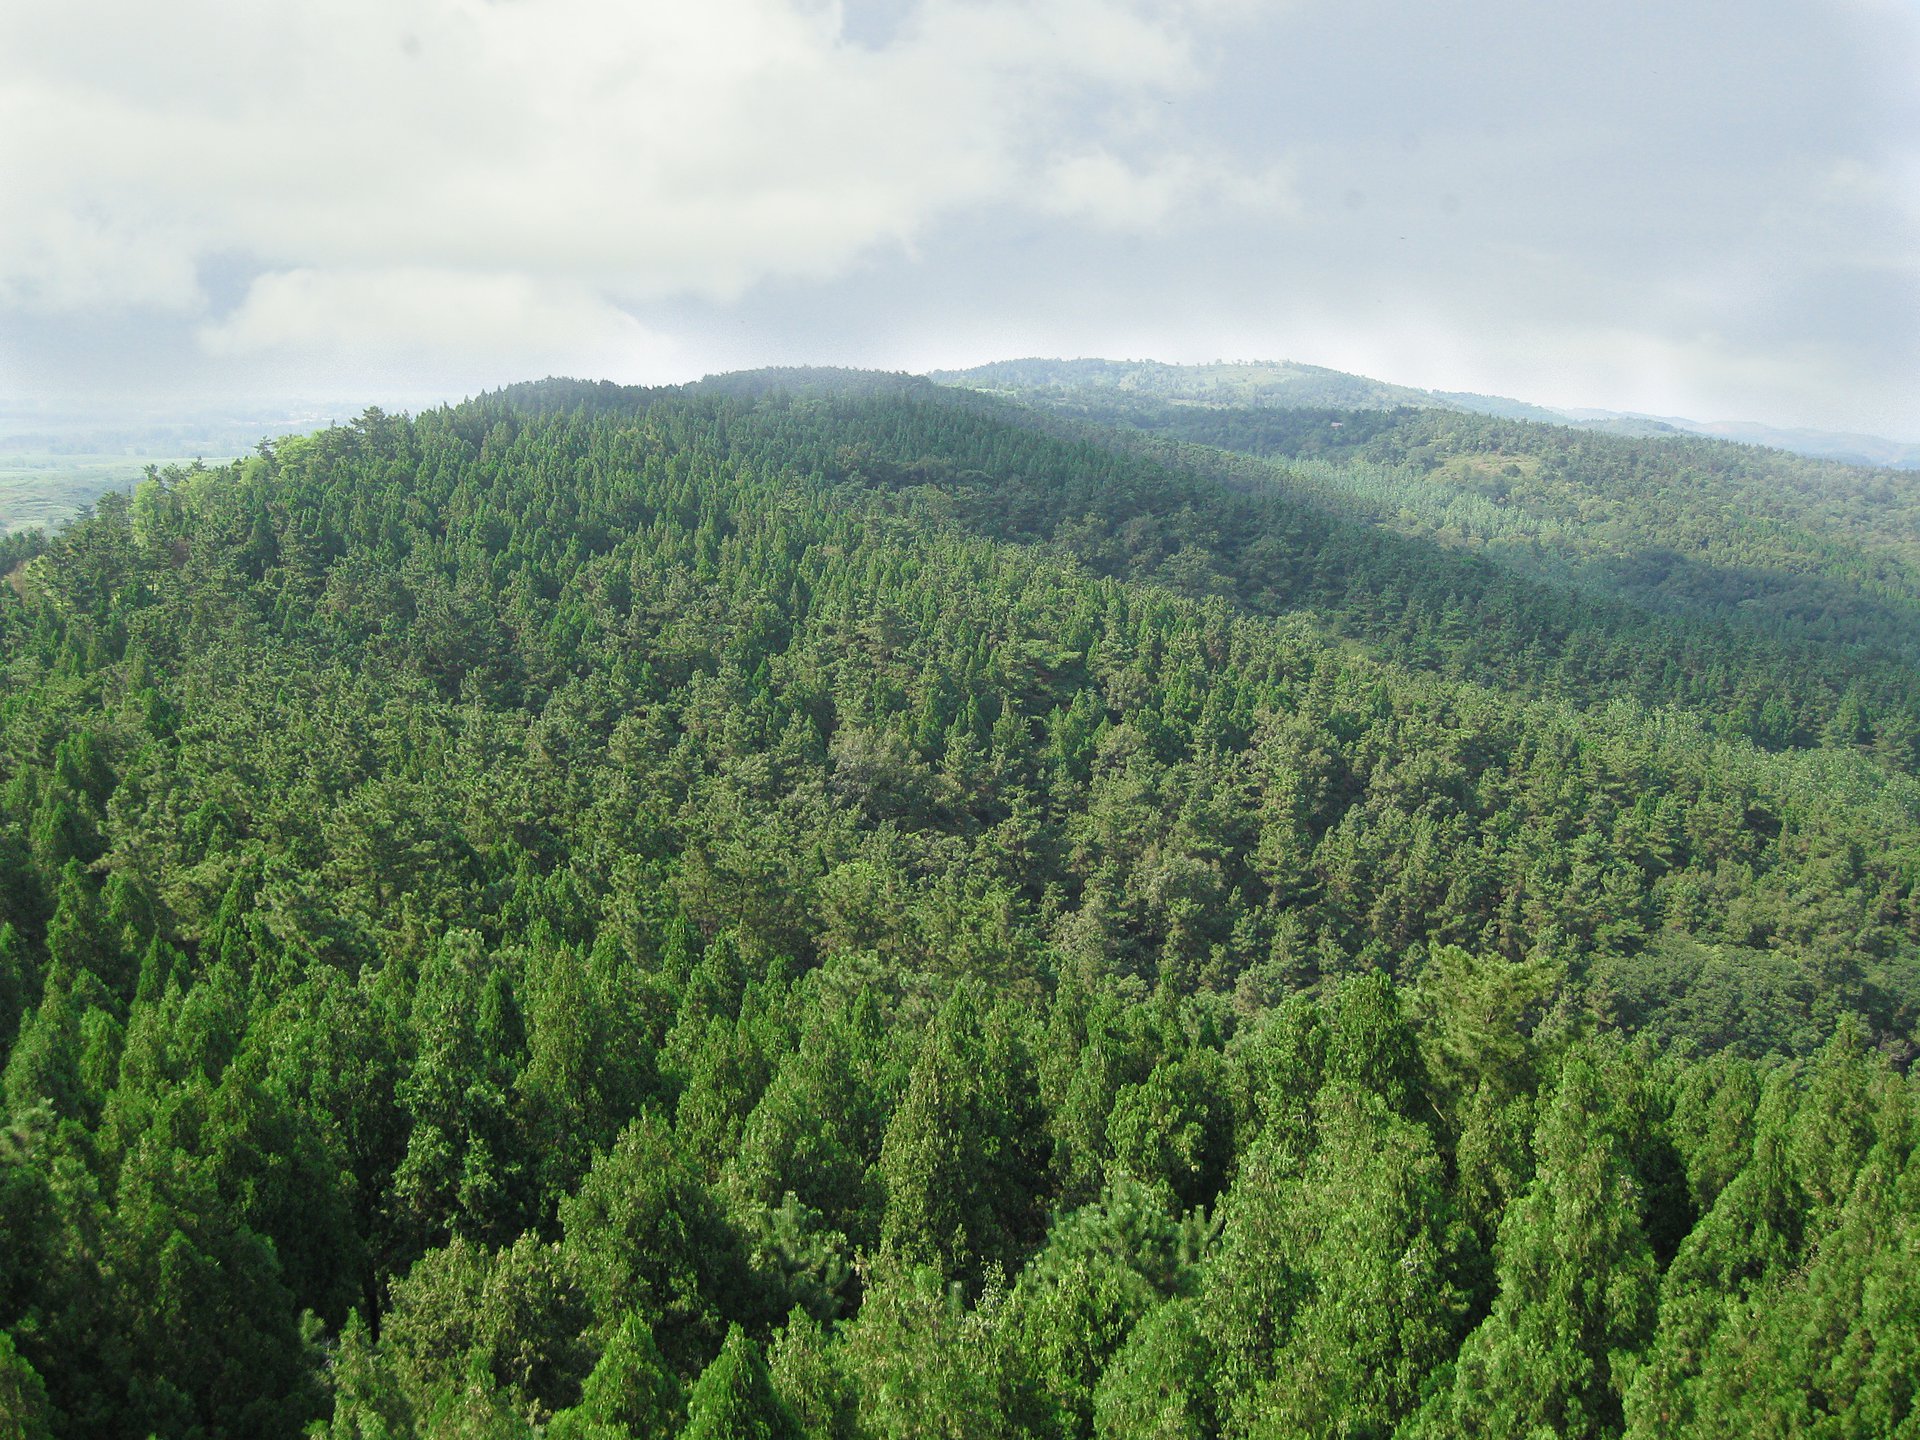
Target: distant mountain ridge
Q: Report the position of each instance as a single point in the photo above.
(1287, 384)
(1817, 444)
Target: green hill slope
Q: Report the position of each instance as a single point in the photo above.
(810, 901)
(1788, 546)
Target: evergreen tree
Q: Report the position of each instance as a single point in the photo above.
(44, 1065)
(1383, 1254)
(1576, 1284)
(734, 1399)
(1103, 1267)
(24, 1414)
(16, 984)
(961, 1151)
(805, 1366)
(631, 1392)
(1157, 1385)
(369, 1402)
(646, 1237)
(926, 1365)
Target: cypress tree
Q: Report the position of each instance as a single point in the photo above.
(733, 1399)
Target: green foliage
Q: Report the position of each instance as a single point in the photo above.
(43, 1066)
(499, 908)
(1175, 1128)
(645, 1236)
(1102, 1269)
(734, 1399)
(1157, 1386)
(516, 1312)
(926, 1365)
(1767, 541)
(1479, 1017)
(960, 1148)
(369, 1401)
(179, 1257)
(1576, 1277)
(631, 1392)
(1379, 1257)
(805, 1366)
(23, 1398)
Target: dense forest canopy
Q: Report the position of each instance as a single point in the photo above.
(1698, 527)
(818, 905)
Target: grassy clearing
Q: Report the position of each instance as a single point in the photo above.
(46, 490)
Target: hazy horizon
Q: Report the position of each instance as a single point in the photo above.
(298, 413)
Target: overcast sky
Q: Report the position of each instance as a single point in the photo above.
(1707, 209)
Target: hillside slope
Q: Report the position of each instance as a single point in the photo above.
(1288, 384)
(806, 902)
(1786, 546)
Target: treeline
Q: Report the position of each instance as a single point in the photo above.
(640, 919)
(1244, 383)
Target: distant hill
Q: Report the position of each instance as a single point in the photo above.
(1820, 444)
(1281, 383)
(1768, 542)
(1286, 384)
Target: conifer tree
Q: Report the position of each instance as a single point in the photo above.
(44, 1064)
(1383, 1254)
(369, 1402)
(24, 1413)
(17, 990)
(963, 1150)
(1576, 1284)
(644, 1235)
(630, 1393)
(1157, 1386)
(733, 1399)
(1103, 1267)
(805, 1366)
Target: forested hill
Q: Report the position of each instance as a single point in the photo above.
(1186, 521)
(1285, 384)
(1700, 528)
(1289, 385)
(816, 906)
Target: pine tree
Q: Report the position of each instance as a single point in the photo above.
(644, 1234)
(17, 988)
(1156, 1387)
(45, 1064)
(1576, 1284)
(805, 1367)
(733, 1399)
(24, 1413)
(631, 1392)
(962, 1153)
(1383, 1254)
(369, 1402)
(1103, 1267)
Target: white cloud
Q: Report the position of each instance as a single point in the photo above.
(625, 151)
(398, 319)
(81, 259)
(1100, 187)
(1620, 205)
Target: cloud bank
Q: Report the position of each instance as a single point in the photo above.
(1667, 207)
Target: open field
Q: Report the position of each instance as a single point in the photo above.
(46, 490)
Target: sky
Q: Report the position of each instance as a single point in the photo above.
(1692, 207)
